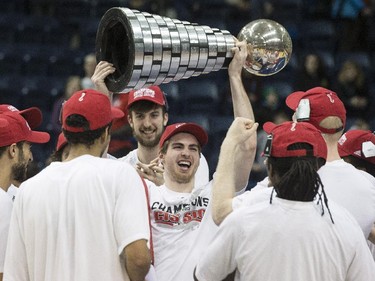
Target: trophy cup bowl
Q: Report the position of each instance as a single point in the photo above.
(269, 47)
(149, 49)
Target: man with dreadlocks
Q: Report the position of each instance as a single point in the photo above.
(296, 235)
(343, 183)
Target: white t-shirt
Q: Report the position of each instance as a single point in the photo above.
(12, 191)
(201, 176)
(6, 205)
(348, 187)
(73, 220)
(288, 240)
(343, 184)
(182, 227)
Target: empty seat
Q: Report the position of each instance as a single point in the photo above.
(199, 96)
(66, 64)
(10, 62)
(319, 34)
(171, 91)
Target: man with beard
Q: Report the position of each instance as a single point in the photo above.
(147, 116)
(15, 154)
(34, 117)
(85, 218)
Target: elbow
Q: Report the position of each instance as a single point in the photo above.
(219, 216)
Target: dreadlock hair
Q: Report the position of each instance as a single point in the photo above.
(87, 137)
(360, 164)
(297, 177)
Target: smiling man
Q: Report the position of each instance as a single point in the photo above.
(181, 220)
(148, 116)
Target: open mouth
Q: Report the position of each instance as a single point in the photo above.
(185, 165)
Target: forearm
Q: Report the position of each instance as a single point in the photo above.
(137, 260)
(241, 102)
(223, 183)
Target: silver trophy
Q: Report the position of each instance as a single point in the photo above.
(148, 49)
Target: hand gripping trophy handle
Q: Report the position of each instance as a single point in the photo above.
(148, 49)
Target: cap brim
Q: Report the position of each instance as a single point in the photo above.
(38, 137)
(116, 113)
(145, 98)
(268, 127)
(33, 116)
(189, 128)
(61, 142)
(293, 99)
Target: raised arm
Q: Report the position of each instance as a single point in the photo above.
(238, 142)
(241, 103)
(241, 108)
(102, 70)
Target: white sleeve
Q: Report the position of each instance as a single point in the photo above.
(202, 176)
(6, 212)
(249, 198)
(219, 260)
(15, 268)
(362, 267)
(131, 218)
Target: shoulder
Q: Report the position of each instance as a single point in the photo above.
(131, 157)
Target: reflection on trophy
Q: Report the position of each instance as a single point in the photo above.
(150, 50)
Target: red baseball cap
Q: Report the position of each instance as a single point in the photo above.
(191, 128)
(358, 143)
(33, 115)
(91, 104)
(288, 133)
(315, 105)
(152, 93)
(14, 128)
(61, 142)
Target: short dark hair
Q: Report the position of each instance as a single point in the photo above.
(86, 137)
(144, 106)
(3, 148)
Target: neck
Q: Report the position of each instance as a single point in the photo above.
(79, 150)
(332, 154)
(332, 150)
(179, 187)
(5, 180)
(147, 154)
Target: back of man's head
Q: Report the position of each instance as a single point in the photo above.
(295, 152)
(86, 114)
(321, 107)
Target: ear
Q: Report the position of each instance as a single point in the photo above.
(130, 120)
(12, 150)
(161, 158)
(166, 117)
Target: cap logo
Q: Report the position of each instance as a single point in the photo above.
(82, 96)
(303, 110)
(368, 149)
(12, 108)
(144, 93)
(293, 128)
(329, 95)
(342, 140)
